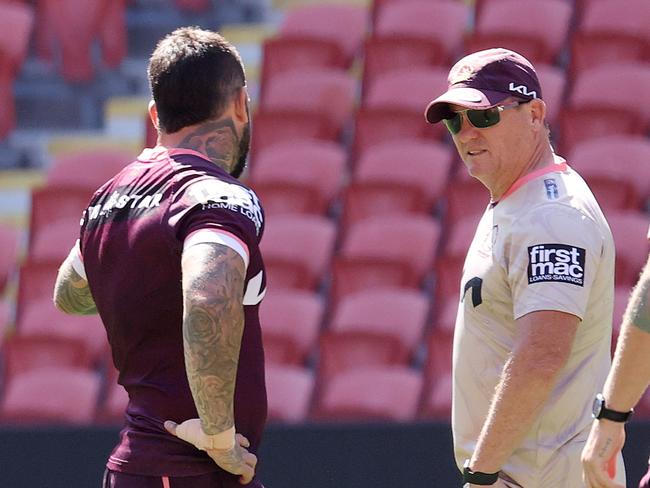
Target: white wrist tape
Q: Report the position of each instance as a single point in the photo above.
(192, 432)
(77, 261)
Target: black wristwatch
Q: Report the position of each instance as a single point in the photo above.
(600, 411)
(478, 478)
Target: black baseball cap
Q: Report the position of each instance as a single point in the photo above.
(484, 79)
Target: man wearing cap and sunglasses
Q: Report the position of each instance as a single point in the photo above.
(533, 330)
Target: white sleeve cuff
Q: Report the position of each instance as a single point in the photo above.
(77, 261)
(224, 238)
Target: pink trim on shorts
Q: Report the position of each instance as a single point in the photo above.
(551, 168)
(165, 481)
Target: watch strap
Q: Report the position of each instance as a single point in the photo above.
(478, 477)
(614, 415)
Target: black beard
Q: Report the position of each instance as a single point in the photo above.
(244, 147)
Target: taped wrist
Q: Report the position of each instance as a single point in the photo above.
(192, 432)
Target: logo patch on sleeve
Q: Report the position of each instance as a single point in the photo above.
(556, 262)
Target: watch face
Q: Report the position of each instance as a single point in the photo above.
(597, 407)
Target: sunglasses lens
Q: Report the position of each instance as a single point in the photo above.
(483, 118)
(453, 124)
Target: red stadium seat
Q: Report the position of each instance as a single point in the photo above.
(367, 394)
(393, 108)
(460, 233)
(289, 393)
(87, 169)
(9, 255)
(285, 126)
(346, 350)
(292, 316)
(385, 54)
(385, 251)
(553, 82)
(284, 54)
(36, 284)
(629, 229)
(448, 273)
(442, 22)
(53, 395)
(113, 34)
(37, 315)
(42, 318)
(26, 353)
(326, 93)
(410, 90)
(377, 165)
(300, 244)
(309, 171)
(446, 311)
(466, 197)
(74, 25)
(53, 241)
(539, 34)
(437, 399)
(378, 125)
(398, 313)
(612, 164)
(54, 221)
(609, 32)
(379, 186)
(14, 40)
(604, 101)
(364, 199)
(343, 24)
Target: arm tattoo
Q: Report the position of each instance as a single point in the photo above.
(217, 139)
(213, 323)
(638, 309)
(71, 292)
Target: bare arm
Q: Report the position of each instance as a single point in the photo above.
(630, 373)
(545, 341)
(71, 292)
(213, 323)
(626, 382)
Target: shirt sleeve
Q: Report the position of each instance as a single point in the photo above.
(219, 211)
(553, 255)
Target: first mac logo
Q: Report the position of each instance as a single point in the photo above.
(556, 262)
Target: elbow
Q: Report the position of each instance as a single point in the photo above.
(61, 305)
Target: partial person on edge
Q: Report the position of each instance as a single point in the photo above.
(627, 381)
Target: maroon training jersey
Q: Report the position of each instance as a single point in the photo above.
(132, 237)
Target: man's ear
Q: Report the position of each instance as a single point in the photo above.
(240, 106)
(153, 114)
(538, 112)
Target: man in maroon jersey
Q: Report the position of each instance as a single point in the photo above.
(168, 255)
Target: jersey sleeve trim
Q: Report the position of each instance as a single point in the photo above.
(77, 261)
(215, 236)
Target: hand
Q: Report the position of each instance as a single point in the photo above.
(605, 442)
(235, 460)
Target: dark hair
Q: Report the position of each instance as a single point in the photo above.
(193, 74)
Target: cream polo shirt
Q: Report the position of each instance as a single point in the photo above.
(545, 246)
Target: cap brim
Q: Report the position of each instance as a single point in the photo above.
(438, 109)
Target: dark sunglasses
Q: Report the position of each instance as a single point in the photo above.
(480, 119)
